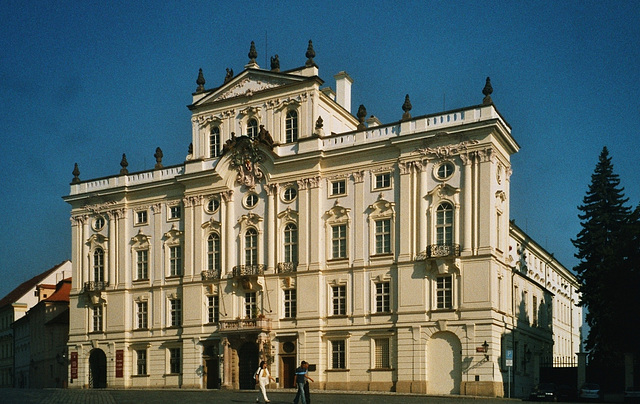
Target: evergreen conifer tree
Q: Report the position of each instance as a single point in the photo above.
(605, 219)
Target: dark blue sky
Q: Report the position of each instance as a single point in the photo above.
(87, 81)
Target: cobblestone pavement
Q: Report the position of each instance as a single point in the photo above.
(109, 396)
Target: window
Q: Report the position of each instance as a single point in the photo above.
(213, 252)
(338, 187)
(382, 181)
(535, 311)
(97, 318)
(213, 309)
(290, 303)
(498, 225)
(141, 362)
(445, 170)
(141, 314)
(213, 205)
(98, 265)
(176, 312)
(98, 223)
(250, 305)
(289, 194)
(339, 241)
(444, 224)
(252, 128)
(174, 360)
(444, 292)
(214, 142)
(338, 354)
(339, 300)
(251, 247)
(174, 212)
(175, 260)
(291, 124)
(143, 264)
(250, 200)
(141, 217)
(383, 297)
(383, 236)
(381, 346)
(291, 243)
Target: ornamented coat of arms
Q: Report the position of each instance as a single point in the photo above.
(245, 157)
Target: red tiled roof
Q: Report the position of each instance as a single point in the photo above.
(62, 292)
(24, 287)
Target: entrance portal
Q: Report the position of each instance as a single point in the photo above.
(97, 369)
(248, 356)
(288, 371)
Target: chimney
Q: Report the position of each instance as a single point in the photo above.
(343, 90)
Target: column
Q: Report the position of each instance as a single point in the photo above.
(467, 204)
(157, 271)
(188, 234)
(405, 225)
(272, 207)
(358, 231)
(315, 225)
(423, 235)
(113, 253)
(226, 367)
(303, 225)
(229, 258)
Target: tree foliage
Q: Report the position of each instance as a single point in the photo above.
(608, 250)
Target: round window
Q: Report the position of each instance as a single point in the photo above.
(251, 200)
(289, 194)
(445, 170)
(98, 223)
(213, 205)
(288, 347)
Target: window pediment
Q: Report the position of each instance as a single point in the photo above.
(141, 239)
(444, 191)
(288, 215)
(211, 225)
(337, 214)
(382, 209)
(173, 234)
(97, 240)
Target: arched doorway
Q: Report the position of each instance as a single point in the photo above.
(97, 369)
(444, 367)
(248, 356)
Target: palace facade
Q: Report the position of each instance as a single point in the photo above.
(382, 254)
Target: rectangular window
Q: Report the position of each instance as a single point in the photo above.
(250, 305)
(339, 300)
(383, 298)
(175, 260)
(97, 318)
(213, 309)
(383, 236)
(535, 311)
(141, 361)
(498, 226)
(290, 303)
(142, 314)
(382, 353)
(338, 354)
(176, 312)
(383, 181)
(174, 360)
(339, 241)
(214, 142)
(444, 292)
(338, 187)
(141, 217)
(174, 212)
(143, 264)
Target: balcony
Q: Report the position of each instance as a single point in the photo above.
(95, 286)
(245, 324)
(286, 267)
(210, 275)
(248, 270)
(443, 250)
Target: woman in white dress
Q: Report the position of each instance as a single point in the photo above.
(262, 379)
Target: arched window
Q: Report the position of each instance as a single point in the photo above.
(213, 252)
(214, 142)
(444, 224)
(291, 243)
(291, 124)
(98, 265)
(252, 128)
(251, 247)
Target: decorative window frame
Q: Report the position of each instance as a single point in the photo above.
(141, 242)
(95, 242)
(245, 200)
(247, 114)
(211, 290)
(373, 281)
(216, 209)
(168, 347)
(380, 210)
(374, 178)
(216, 123)
(373, 336)
(169, 296)
(285, 189)
(329, 339)
(136, 221)
(170, 207)
(286, 217)
(250, 220)
(439, 194)
(173, 238)
(436, 168)
(336, 283)
(294, 106)
(208, 228)
(144, 298)
(500, 206)
(295, 302)
(98, 223)
(337, 215)
(332, 180)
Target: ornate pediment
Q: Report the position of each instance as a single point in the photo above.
(248, 84)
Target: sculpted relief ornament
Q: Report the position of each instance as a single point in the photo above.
(448, 150)
(244, 158)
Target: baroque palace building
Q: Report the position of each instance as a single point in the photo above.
(382, 254)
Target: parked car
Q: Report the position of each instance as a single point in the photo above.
(544, 392)
(591, 391)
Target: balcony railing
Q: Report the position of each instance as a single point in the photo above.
(95, 286)
(245, 324)
(210, 275)
(285, 267)
(443, 250)
(248, 270)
